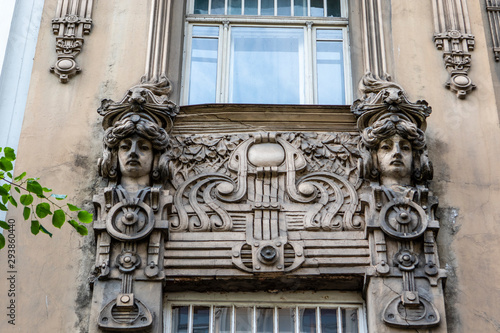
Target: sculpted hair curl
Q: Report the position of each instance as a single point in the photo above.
(108, 165)
(385, 128)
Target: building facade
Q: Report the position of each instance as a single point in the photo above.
(262, 166)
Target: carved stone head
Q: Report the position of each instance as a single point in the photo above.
(395, 152)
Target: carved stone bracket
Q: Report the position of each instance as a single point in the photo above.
(72, 21)
(453, 36)
(493, 9)
(399, 208)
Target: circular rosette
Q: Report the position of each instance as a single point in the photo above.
(403, 220)
(130, 222)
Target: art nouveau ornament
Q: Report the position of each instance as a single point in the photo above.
(131, 213)
(400, 210)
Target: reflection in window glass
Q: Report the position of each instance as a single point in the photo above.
(251, 7)
(307, 319)
(285, 320)
(317, 8)
(201, 319)
(244, 320)
(180, 316)
(266, 7)
(349, 320)
(330, 67)
(217, 7)
(265, 320)
(201, 6)
(266, 65)
(329, 321)
(333, 8)
(234, 7)
(300, 8)
(284, 8)
(222, 320)
(203, 73)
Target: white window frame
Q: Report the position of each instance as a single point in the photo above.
(226, 22)
(296, 300)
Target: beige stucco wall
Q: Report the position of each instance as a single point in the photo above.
(61, 143)
(463, 137)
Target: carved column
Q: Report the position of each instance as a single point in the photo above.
(453, 36)
(493, 9)
(73, 20)
(132, 212)
(404, 283)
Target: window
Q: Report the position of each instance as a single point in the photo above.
(267, 51)
(305, 312)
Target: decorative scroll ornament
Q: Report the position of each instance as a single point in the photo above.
(453, 36)
(493, 9)
(73, 20)
(131, 224)
(400, 214)
(261, 181)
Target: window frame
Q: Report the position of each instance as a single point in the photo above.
(310, 25)
(296, 300)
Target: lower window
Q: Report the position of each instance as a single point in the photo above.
(305, 312)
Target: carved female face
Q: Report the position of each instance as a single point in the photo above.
(135, 156)
(395, 159)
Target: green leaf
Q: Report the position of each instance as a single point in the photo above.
(59, 196)
(35, 227)
(20, 177)
(45, 231)
(42, 210)
(46, 189)
(58, 218)
(12, 201)
(3, 191)
(74, 224)
(2, 241)
(5, 164)
(17, 189)
(4, 225)
(9, 154)
(73, 208)
(5, 198)
(3, 207)
(26, 213)
(26, 199)
(84, 216)
(6, 187)
(82, 230)
(35, 187)
(9, 174)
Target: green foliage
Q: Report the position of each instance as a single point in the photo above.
(36, 204)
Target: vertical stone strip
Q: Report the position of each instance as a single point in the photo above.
(453, 36)
(73, 20)
(373, 39)
(493, 9)
(157, 56)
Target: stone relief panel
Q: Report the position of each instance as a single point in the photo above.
(399, 208)
(131, 213)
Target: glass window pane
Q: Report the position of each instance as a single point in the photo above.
(251, 7)
(267, 7)
(244, 320)
(266, 65)
(222, 320)
(330, 73)
(349, 320)
(203, 73)
(324, 34)
(317, 8)
(200, 6)
(265, 320)
(300, 8)
(307, 320)
(201, 319)
(180, 316)
(333, 8)
(328, 320)
(234, 7)
(217, 7)
(284, 8)
(205, 31)
(285, 320)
